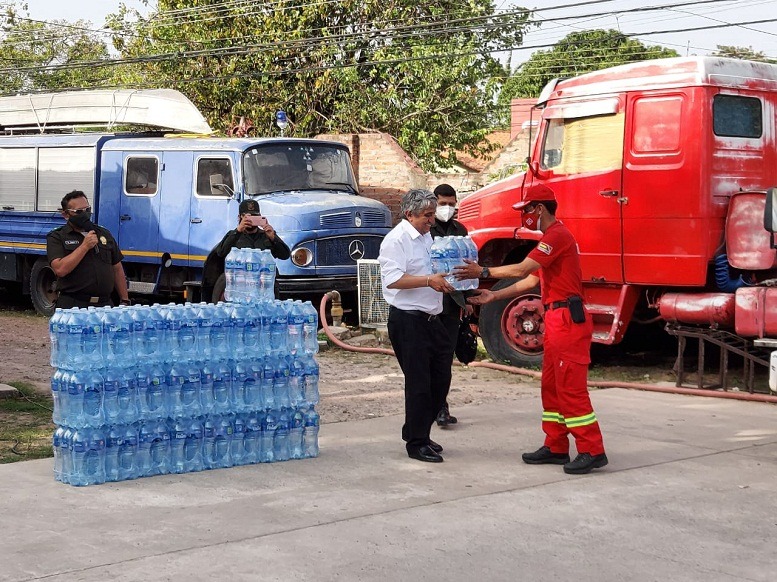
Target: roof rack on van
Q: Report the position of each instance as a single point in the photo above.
(57, 112)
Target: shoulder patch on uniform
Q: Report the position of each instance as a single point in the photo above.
(544, 247)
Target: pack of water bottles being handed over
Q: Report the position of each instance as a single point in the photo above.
(450, 251)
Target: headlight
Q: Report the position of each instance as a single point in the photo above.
(302, 256)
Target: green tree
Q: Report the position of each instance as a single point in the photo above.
(39, 56)
(739, 52)
(575, 54)
(420, 71)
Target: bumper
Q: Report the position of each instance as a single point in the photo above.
(291, 285)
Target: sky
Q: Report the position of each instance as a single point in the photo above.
(676, 14)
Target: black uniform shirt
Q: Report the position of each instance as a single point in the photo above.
(253, 240)
(94, 274)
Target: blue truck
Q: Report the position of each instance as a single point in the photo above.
(169, 199)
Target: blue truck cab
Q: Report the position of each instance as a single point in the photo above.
(168, 200)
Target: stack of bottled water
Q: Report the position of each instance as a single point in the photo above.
(449, 251)
(149, 390)
(250, 276)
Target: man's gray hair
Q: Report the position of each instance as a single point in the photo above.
(416, 201)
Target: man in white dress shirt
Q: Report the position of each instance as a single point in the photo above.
(417, 334)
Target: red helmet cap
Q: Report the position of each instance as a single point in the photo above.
(537, 193)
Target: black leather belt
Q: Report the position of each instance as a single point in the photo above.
(416, 313)
(85, 297)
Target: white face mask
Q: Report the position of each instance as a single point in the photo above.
(444, 213)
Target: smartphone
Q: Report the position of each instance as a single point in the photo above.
(257, 220)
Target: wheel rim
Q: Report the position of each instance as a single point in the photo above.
(47, 285)
(523, 325)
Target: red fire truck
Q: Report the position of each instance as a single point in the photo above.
(661, 170)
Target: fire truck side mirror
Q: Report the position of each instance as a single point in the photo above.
(770, 213)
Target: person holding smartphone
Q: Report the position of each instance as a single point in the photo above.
(252, 232)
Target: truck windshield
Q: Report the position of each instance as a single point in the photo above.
(588, 144)
(299, 167)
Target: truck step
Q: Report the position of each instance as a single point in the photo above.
(140, 287)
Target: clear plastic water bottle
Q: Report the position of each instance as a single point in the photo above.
(253, 385)
(251, 332)
(156, 345)
(73, 412)
(311, 381)
(111, 408)
(296, 333)
(92, 337)
(437, 255)
(310, 328)
(88, 450)
(114, 437)
(204, 319)
(66, 454)
(54, 337)
(310, 433)
(207, 401)
(218, 333)
(145, 443)
(187, 333)
(75, 340)
(175, 382)
(268, 382)
(296, 429)
(264, 313)
(92, 408)
(269, 426)
(278, 330)
(223, 445)
(239, 277)
(281, 443)
(172, 315)
(296, 381)
(160, 448)
(252, 439)
(156, 403)
(128, 453)
(56, 447)
(63, 348)
(221, 387)
(281, 383)
(241, 380)
(128, 396)
(118, 329)
(194, 445)
(58, 388)
(236, 446)
(253, 267)
(179, 428)
(237, 316)
(229, 275)
(267, 276)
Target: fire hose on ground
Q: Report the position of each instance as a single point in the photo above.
(337, 312)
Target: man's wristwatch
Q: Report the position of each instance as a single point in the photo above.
(485, 273)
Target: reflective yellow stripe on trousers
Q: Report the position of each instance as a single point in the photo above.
(581, 420)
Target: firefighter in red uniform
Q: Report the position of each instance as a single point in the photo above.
(568, 328)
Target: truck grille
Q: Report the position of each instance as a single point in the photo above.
(337, 251)
(469, 211)
(348, 219)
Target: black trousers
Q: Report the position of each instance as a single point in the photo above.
(423, 351)
(67, 301)
(452, 322)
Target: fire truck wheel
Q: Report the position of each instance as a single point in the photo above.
(512, 329)
(43, 287)
(218, 288)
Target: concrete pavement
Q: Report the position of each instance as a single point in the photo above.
(690, 494)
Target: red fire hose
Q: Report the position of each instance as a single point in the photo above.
(537, 375)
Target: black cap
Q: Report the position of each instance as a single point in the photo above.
(249, 207)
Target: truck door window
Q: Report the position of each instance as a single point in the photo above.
(142, 176)
(61, 170)
(211, 174)
(736, 116)
(586, 144)
(17, 179)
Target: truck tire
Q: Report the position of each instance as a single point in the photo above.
(43, 287)
(218, 288)
(513, 329)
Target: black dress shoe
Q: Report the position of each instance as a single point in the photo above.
(434, 446)
(424, 453)
(544, 456)
(584, 463)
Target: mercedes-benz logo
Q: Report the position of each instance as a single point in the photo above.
(356, 249)
(358, 220)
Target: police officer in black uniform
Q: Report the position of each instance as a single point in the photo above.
(248, 235)
(85, 258)
(454, 302)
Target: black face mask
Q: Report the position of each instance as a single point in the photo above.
(82, 221)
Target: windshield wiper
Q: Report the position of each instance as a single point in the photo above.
(348, 185)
